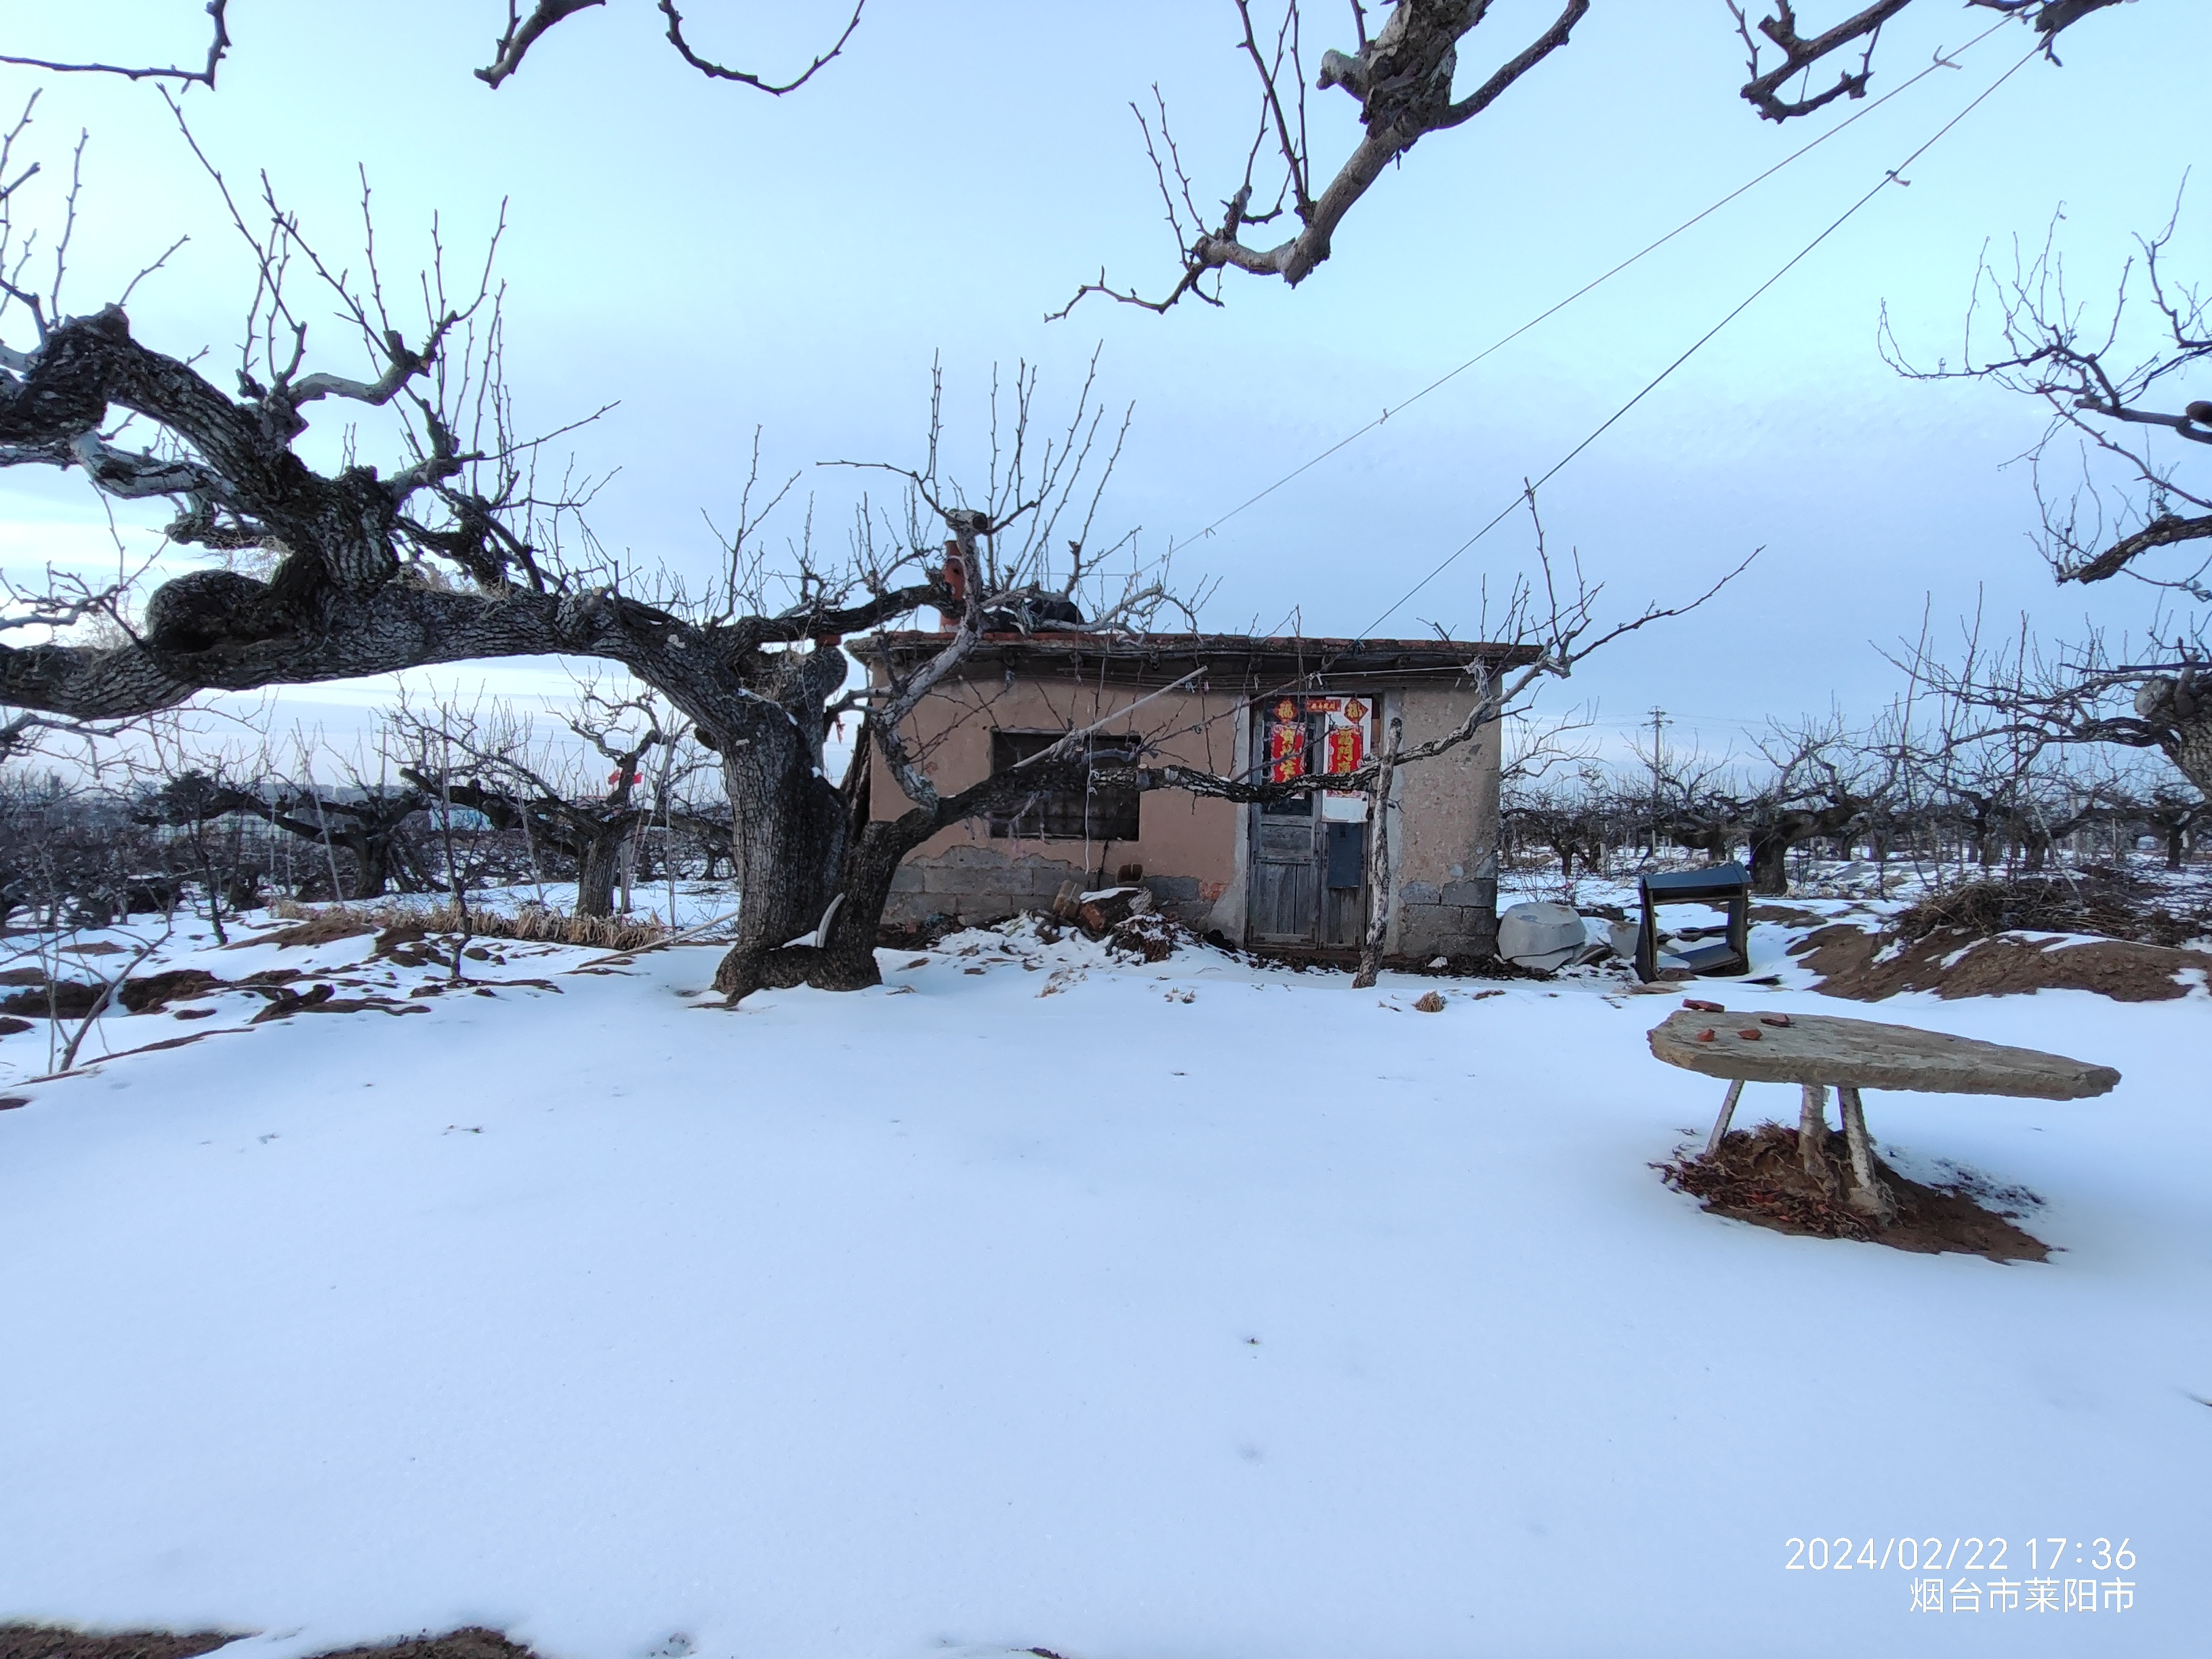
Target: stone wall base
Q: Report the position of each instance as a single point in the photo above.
(976, 886)
(1457, 919)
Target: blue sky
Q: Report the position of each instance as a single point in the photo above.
(719, 261)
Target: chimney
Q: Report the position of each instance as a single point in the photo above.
(955, 582)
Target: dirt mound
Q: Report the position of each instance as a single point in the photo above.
(70, 998)
(407, 947)
(2108, 903)
(56, 1641)
(1757, 1177)
(59, 1642)
(323, 998)
(326, 929)
(472, 1643)
(156, 991)
(1789, 915)
(1954, 963)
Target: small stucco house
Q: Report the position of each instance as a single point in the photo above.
(1285, 877)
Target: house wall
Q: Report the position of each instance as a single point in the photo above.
(1192, 850)
(1444, 841)
(1228, 916)
(1188, 845)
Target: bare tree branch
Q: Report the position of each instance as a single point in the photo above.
(1802, 52)
(715, 71)
(218, 43)
(523, 32)
(1402, 79)
(2111, 381)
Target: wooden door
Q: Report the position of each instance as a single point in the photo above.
(1343, 881)
(1284, 898)
(1307, 874)
(1285, 891)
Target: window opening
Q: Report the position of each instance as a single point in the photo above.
(1096, 812)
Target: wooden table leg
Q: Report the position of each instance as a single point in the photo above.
(1727, 1111)
(1868, 1192)
(1813, 1136)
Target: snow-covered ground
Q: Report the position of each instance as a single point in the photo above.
(1035, 1301)
(1896, 882)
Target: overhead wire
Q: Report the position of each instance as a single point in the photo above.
(1890, 176)
(1944, 61)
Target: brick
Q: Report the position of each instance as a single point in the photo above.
(1419, 892)
(1448, 930)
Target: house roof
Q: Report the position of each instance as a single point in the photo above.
(1158, 659)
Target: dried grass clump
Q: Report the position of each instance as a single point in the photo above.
(532, 924)
(2105, 902)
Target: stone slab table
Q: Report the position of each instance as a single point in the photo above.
(1817, 1050)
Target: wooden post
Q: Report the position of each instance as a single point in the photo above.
(1378, 863)
(1868, 1193)
(1813, 1136)
(1727, 1111)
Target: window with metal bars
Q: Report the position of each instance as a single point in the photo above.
(1097, 813)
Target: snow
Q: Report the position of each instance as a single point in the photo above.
(1194, 1309)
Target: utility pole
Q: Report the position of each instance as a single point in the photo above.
(1659, 724)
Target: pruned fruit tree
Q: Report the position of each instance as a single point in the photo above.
(439, 531)
(2123, 479)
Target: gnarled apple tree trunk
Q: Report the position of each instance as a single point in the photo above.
(1770, 862)
(597, 857)
(788, 844)
(858, 888)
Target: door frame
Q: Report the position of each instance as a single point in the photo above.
(1313, 937)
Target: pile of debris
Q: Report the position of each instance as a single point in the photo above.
(1758, 1177)
(1867, 967)
(68, 1641)
(2108, 904)
(1126, 918)
(1993, 937)
(1543, 938)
